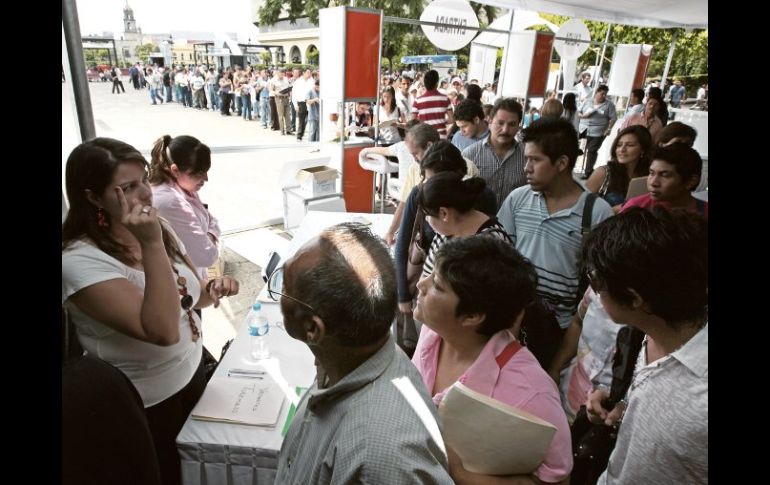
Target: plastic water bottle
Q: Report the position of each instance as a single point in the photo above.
(258, 328)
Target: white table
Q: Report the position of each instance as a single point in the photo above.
(221, 453)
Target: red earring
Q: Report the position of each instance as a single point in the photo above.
(101, 219)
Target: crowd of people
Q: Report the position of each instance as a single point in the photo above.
(496, 244)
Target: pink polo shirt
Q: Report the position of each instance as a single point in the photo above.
(521, 383)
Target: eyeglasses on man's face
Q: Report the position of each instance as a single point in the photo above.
(275, 282)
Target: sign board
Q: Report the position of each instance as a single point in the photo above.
(218, 51)
(572, 29)
(627, 63)
(461, 19)
(481, 65)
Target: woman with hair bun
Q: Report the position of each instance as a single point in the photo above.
(448, 204)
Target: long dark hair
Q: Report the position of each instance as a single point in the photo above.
(570, 105)
(91, 166)
(392, 92)
(187, 152)
(619, 178)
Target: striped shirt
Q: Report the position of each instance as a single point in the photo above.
(502, 176)
(431, 108)
(552, 242)
(490, 227)
(376, 425)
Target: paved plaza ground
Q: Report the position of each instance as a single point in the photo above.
(243, 191)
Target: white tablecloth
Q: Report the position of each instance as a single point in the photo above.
(222, 453)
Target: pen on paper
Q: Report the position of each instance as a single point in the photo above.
(244, 376)
(247, 371)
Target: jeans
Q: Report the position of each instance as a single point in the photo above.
(312, 130)
(154, 94)
(246, 106)
(169, 95)
(237, 104)
(213, 97)
(187, 96)
(264, 110)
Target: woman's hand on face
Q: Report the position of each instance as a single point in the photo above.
(141, 220)
(221, 287)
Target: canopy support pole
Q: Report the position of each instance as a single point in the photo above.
(669, 59)
(506, 53)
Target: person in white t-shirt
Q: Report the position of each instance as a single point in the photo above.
(130, 288)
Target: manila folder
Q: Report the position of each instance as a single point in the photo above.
(492, 437)
(244, 401)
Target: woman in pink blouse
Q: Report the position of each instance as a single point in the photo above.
(177, 172)
(472, 305)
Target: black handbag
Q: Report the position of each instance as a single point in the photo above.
(592, 444)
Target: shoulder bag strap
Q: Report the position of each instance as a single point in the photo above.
(508, 352)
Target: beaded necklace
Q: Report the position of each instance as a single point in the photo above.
(187, 303)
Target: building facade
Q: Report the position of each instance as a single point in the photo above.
(297, 40)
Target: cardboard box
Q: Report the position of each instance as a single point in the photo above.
(318, 181)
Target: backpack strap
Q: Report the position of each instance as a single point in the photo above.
(508, 352)
(588, 210)
(585, 229)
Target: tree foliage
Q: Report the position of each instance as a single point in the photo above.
(690, 61)
(143, 51)
(398, 39)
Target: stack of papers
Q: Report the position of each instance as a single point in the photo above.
(256, 402)
(492, 437)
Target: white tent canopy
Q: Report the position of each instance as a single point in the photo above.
(641, 13)
(522, 20)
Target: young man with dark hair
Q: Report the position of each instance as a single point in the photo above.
(469, 118)
(650, 269)
(355, 423)
(675, 172)
(472, 305)
(432, 106)
(499, 157)
(545, 218)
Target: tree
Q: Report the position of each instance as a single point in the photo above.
(267, 58)
(312, 57)
(690, 59)
(394, 35)
(143, 51)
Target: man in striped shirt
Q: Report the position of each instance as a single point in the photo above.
(544, 218)
(432, 106)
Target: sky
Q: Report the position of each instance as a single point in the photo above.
(159, 16)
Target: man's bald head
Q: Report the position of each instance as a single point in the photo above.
(347, 276)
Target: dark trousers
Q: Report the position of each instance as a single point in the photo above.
(302, 119)
(166, 420)
(225, 99)
(274, 114)
(593, 143)
(117, 84)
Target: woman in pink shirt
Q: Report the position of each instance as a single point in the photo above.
(177, 172)
(472, 305)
